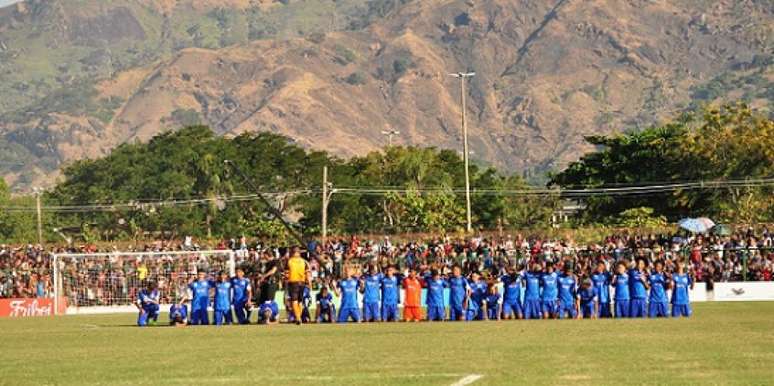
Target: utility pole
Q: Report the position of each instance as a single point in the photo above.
(389, 134)
(40, 215)
(465, 155)
(325, 206)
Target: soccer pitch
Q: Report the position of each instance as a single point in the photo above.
(723, 343)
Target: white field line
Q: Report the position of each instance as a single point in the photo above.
(468, 379)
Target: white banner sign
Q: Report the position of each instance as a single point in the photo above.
(744, 291)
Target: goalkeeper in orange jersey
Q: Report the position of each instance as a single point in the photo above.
(412, 306)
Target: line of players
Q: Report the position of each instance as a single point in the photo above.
(636, 293)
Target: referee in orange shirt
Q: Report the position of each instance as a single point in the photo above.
(298, 277)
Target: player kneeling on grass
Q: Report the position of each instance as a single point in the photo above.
(532, 307)
(390, 296)
(436, 310)
(268, 312)
(589, 302)
(148, 304)
(657, 305)
(621, 284)
(568, 295)
(223, 295)
(325, 309)
(370, 286)
(681, 282)
(178, 315)
(458, 294)
(347, 291)
(512, 295)
(492, 306)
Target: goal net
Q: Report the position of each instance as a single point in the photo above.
(115, 279)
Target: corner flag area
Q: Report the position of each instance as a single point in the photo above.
(722, 343)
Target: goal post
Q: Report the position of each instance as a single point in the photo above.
(110, 281)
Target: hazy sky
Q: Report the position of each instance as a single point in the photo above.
(3, 3)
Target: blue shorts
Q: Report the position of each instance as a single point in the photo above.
(151, 313)
(604, 311)
(621, 308)
(222, 317)
(436, 313)
(456, 312)
(513, 309)
(549, 306)
(200, 317)
(265, 308)
(390, 312)
(327, 314)
(532, 309)
(681, 310)
(638, 308)
(587, 310)
(657, 310)
(345, 314)
(371, 312)
(567, 309)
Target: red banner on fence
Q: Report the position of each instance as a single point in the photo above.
(22, 308)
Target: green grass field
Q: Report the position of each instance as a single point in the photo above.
(724, 343)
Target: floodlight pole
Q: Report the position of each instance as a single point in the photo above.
(465, 155)
(276, 213)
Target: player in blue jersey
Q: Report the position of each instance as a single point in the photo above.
(621, 285)
(602, 280)
(268, 312)
(243, 295)
(223, 298)
(657, 302)
(458, 294)
(549, 294)
(200, 299)
(370, 287)
(347, 290)
(148, 305)
(638, 287)
(588, 300)
(532, 307)
(390, 296)
(325, 309)
(681, 283)
(178, 314)
(436, 309)
(512, 294)
(476, 301)
(568, 295)
(492, 305)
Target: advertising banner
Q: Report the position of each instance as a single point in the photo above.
(22, 308)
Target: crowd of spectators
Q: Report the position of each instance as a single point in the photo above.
(115, 278)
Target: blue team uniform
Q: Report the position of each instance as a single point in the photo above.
(200, 291)
(148, 301)
(326, 307)
(178, 311)
(588, 298)
(492, 305)
(621, 285)
(270, 306)
(567, 296)
(549, 294)
(681, 305)
(601, 283)
(657, 303)
(458, 291)
(436, 310)
(532, 307)
(512, 296)
(241, 288)
(477, 295)
(390, 298)
(637, 305)
(373, 284)
(348, 309)
(223, 298)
